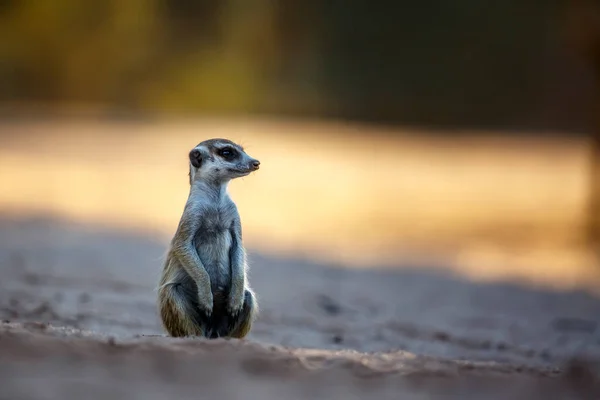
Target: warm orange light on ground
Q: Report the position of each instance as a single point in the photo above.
(488, 208)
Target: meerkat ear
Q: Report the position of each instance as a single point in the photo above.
(196, 158)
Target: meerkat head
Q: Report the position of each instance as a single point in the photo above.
(219, 161)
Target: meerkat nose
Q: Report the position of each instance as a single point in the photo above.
(255, 164)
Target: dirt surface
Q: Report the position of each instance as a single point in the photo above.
(78, 305)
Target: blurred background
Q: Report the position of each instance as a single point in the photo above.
(458, 134)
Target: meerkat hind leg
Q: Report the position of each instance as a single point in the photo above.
(179, 310)
(243, 323)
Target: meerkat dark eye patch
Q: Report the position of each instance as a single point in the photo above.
(196, 158)
(228, 153)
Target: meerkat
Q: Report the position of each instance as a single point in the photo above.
(204, 290)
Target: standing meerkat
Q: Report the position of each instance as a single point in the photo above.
(203, 290)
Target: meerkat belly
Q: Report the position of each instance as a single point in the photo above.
(213, 248)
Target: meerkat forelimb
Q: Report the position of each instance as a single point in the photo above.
(204, 289)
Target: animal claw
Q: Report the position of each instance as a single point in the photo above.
(234, 311)
(207, 310)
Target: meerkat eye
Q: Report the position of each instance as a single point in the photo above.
(227, 153)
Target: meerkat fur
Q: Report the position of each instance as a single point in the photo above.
(204, 290)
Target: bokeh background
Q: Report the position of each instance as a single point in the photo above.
(461, 135)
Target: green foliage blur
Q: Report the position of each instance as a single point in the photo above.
(418, 62)
(136, 53)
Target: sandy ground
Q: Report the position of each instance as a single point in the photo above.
(78, 305)
(473, 286)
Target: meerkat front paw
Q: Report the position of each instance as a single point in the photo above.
(205, 303)
(236, 303)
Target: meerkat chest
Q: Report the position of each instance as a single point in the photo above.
(216, 220)
(213, 237)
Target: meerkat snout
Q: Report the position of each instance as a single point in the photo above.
(255, 164)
